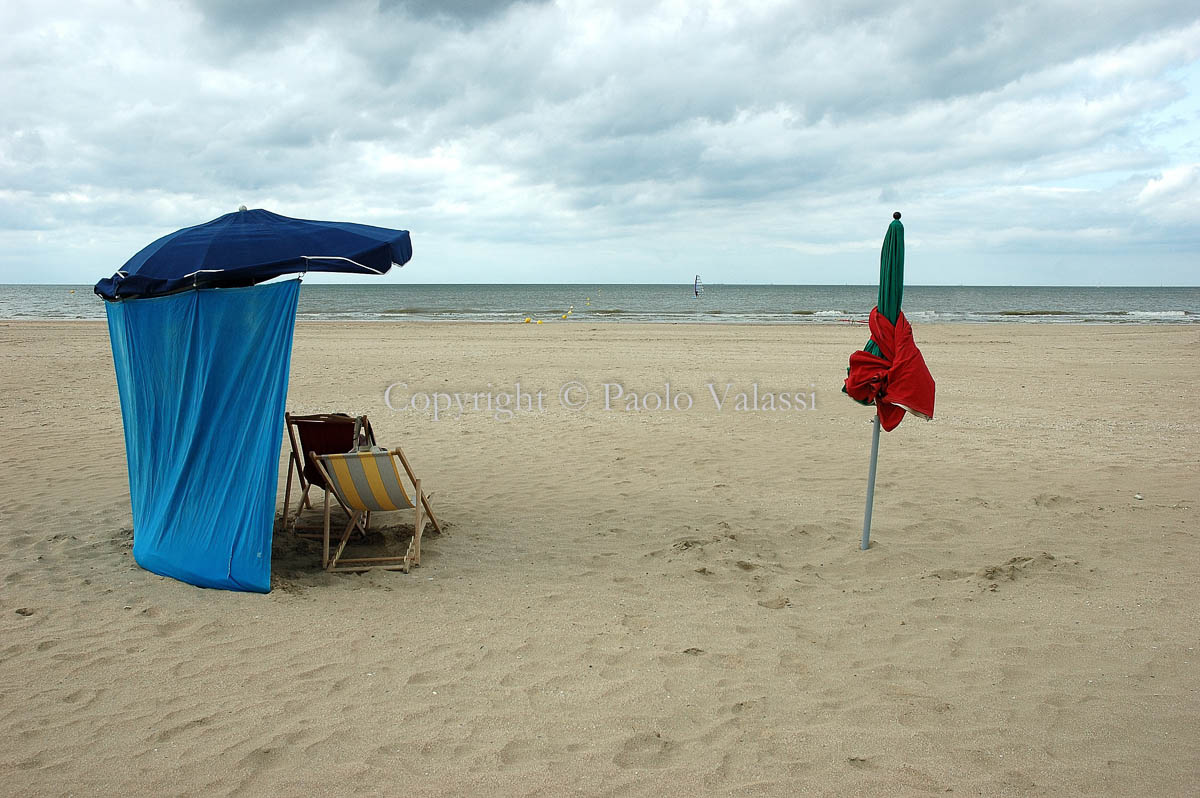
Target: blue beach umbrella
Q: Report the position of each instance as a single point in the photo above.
(248, 247)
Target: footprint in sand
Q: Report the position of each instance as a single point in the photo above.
(644, 751)
(1049, 500)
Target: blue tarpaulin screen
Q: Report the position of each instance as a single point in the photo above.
(203, 381)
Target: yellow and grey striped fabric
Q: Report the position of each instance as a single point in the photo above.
(367, 480)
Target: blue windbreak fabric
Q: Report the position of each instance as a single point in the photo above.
(203, 379)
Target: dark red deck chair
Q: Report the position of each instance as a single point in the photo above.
(322, 433)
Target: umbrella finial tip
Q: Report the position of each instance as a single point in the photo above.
(896, 215)
(243, 207)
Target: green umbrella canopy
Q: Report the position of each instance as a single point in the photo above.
(891, 276)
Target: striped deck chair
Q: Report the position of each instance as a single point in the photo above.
(369, 482)
(323, 433)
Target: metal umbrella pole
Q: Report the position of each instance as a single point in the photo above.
(866, 536)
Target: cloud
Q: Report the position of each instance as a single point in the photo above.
(782, 133)
(463, 11)
(1177, 183)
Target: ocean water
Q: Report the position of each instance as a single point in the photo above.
(718, 304)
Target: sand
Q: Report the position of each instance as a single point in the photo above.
(638, 602)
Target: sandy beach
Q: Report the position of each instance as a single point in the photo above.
(638, 601)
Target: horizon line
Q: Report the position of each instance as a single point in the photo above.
(375, 282)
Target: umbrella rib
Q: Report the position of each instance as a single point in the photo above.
(338, 257)
(305, 257)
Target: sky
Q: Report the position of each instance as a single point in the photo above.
(1043, 143)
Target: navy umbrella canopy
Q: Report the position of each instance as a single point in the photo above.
(248, 247)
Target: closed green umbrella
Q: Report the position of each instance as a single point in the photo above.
(889, 372)
(891, 292)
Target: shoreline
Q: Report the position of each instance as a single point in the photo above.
(1024, 325)
(658, 304)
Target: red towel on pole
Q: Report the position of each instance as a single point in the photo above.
(896, 382)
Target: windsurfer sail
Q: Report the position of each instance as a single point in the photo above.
(698, 287)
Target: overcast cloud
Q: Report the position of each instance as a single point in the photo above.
(1040, 143)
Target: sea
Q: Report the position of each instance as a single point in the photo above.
(662, 304)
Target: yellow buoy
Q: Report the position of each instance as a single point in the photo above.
(539, 321)
(527, 319)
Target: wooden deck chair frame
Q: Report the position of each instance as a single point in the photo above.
(388, 494)
(362, 434)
